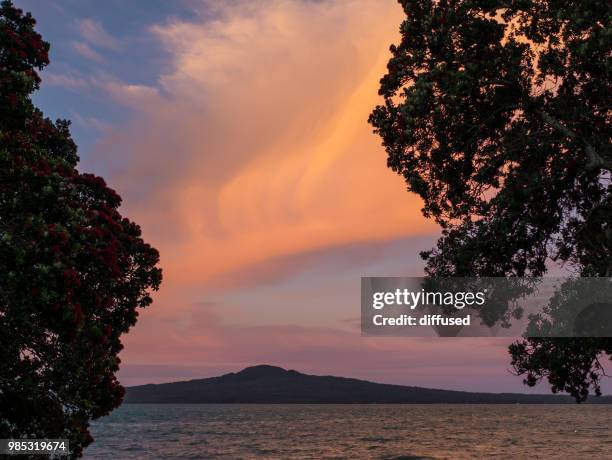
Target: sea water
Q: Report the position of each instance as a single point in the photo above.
(398, 432)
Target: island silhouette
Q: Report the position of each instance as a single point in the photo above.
(265, 384)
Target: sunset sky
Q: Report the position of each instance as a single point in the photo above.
(236, 133)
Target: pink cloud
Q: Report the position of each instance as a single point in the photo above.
(209, 344)
(65, 81)
(86, 51)
(94, 32)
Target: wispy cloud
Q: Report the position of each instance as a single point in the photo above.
(133, 95)
(89, 122)
(87, 51)
(95, 34)
(260, 146)
(137, 96)
(65, 81)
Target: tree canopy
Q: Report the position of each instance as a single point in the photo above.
(497, 114)
(74, 271)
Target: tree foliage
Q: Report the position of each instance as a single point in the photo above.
(74, 270)
(497, 113)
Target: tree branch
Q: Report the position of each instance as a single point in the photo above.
(596, 161)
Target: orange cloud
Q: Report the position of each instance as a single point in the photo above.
(252, 158)
(259, 146)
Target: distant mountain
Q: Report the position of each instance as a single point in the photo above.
(274, 385)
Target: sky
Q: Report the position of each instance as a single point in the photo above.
(236, 132)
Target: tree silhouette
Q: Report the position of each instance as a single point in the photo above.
(497, 113)
(73, 269)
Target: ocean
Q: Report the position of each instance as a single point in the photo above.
(393, 432)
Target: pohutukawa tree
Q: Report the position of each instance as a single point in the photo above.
(73, 270)
(498, 113)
